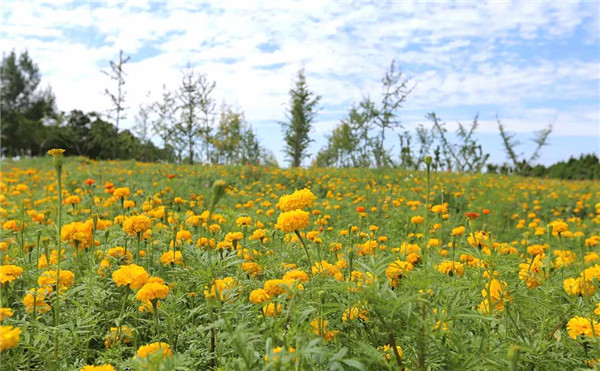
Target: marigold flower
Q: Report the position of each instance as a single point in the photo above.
(105, 367)
(298, 200)
(136, 225)
(458, 231)
(472, 216)
(582, 326)
(9, 337)
(396, 270)
(319, 327)
(5, 312)
(170, 257)
(48, 278)
(9, 273)
(252, 268)
(152, 348)
(388, 351)
(294, 220)
(116, 335)
(131, 275)
(152, 291)
(245, 221)
(451, 268)
(416, 220)
(37, 298)
(272, 309)
(225, 288)
(259, 296)
(122, 192)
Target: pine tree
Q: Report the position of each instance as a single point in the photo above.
(301, 114)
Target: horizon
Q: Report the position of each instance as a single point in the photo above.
(529, 63)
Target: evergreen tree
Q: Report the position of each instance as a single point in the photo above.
(300, 116)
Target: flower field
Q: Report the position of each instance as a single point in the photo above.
(150, 266)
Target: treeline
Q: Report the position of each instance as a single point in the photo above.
(190, 128)
(185, 120)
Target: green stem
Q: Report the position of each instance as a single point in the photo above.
(56, 298)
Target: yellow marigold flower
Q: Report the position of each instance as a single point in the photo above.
(272, 309)
(495, 292)
(136, 224)
(451, 268)
(245, 221)
(105, 367)
(48, 278)
(298, 200)
(294, 220)
(152, 291)
(152, 348)
(9, 273)
(296, 274)
(39, 301)
(278, 350)
(479, 240)
(388, 351)
(78, 234)
(397, 270)
(597, 310)
(458, 231)
(324, 267)
(118, 252)
(234, 236)
(131, 275)
(320, 328)
(578, 286)
(582, 326)
(532, 271)
(72, 200)
(128, 204)
(121, 192)
(440, 209)
(564, 258)
(591, 256)
(56, 152)
(417, 220)
(13, 225)
(5, 312)
(251, 268)
(9, 337)
(259, 296)
(353, 313)
(168, 258)
(116, 334)
(225, 288)
(537, 249)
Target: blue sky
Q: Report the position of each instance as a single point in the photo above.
(531, 63)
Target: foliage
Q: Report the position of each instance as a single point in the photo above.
(519, 162)
(25, 108)
(362, 223)
(300, 116)
(467, 155)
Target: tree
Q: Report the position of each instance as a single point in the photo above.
(300, 116)
(197, 111)
(395, 91)
(117, 98)
(164, 121)
(520, 163)
(24, 107)
(142, 128)
(468, 154)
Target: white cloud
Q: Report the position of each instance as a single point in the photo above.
(459, 55)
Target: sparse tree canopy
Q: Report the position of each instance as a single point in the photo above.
(300, 117)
